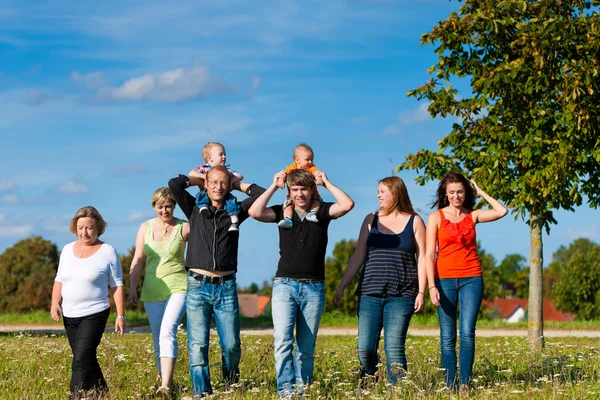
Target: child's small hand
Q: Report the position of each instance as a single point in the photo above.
(280, 179)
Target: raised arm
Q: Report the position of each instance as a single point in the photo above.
(138, 262)
(498, 210)
(420, 236)
(356, 261)
(343, 202)
(433, 222)
(184, 200)
(259, 210)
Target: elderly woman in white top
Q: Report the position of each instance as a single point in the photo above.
(86, 270)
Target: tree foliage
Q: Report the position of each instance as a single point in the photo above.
(578, 288)
(27, 272)
(528, 131)
(334, 270)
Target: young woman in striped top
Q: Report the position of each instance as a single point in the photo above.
(454, 271)
(391, 246)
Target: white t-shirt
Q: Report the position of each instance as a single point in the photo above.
(85, 280)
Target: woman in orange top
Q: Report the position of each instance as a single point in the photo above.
(454, 270)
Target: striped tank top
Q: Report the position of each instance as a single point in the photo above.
(391, 265)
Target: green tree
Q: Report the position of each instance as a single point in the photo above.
(578, 288)
(510, 265)
(266, 288)
(125, 264)
(527, 130)
(492, 287)
(334, 270)
(27, 272)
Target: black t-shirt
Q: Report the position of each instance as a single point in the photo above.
(302, 248)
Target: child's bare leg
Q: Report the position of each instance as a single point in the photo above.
(287, 222)
(315, 204)
(289, 211)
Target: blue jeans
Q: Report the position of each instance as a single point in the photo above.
(202, 300)
(231, 204)
(469, 293)
(300, 305)
(393, 315)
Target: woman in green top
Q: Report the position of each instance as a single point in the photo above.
(160, 245)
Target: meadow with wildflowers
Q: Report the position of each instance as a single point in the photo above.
(38, 367)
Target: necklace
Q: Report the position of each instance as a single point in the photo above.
(165, 229)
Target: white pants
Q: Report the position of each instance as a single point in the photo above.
(164, 317)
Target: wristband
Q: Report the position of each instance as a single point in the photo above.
(423, 293)
(433, 287)
(121, 317)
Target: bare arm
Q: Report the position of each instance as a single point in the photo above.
(259, 210)
(119, 296)
(343, 202)
(419, 231)
(356, 261)
(433, 222)
(498, 210)
(185, 231)
(195, 174)
(55, 310)
(138, 262)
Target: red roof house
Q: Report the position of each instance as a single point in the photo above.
(252, 305)
(513, 310)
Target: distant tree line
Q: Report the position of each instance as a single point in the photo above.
(572, 279)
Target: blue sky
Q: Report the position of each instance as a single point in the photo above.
(102, 102)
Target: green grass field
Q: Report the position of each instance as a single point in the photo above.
(38, 367)
(138, 318)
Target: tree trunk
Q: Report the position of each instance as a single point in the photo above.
(536, 281)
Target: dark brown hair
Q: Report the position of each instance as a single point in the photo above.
(441, 200)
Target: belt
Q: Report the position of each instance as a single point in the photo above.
(305, 280)
(217, 280)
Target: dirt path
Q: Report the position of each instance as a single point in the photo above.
(330, 331)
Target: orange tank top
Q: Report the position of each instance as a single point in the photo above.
(457, 249)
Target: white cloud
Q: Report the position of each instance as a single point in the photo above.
(408, 117)
(589, 232)
(139, 216)
(72, 186)
(256, 83)
(9, 199)
(6, 186)
(360, 120)
(170, 86)
(15, 231)
(37, 97)
(91, 81)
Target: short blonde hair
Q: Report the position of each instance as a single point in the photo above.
(161, 195)
(207, 147)
(305, 147)
(300, 177)
(88, 212)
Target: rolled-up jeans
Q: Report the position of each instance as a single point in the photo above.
(164, 317)
(393, 314)
(300, 305)
(466, 293)
(203, 300)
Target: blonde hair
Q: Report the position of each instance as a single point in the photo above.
(207, 147)
(88, 212)
(401, 201)
(305, 147)
(161, 195)
(300, 177)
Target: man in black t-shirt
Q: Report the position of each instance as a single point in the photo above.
(298, 291)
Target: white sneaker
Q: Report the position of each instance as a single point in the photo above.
(312, 216)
